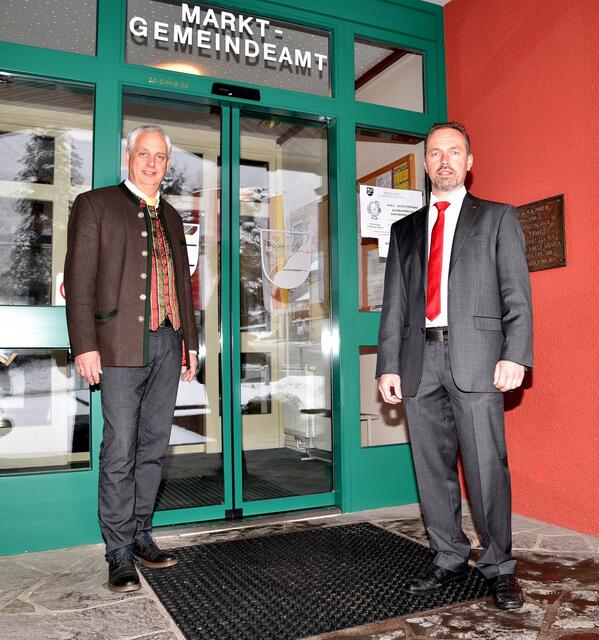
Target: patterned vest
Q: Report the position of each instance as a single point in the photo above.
(163, 288)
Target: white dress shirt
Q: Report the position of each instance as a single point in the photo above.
(452, 214)
(139, 193)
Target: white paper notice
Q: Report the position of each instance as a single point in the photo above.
(376, 280)
(385, 180)
(380, 208)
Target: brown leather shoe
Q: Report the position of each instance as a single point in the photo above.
(436, 578)
(506, 592)
(147, 552)
(122, 574)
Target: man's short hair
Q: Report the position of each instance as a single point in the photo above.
(458, 126)
(147, 128)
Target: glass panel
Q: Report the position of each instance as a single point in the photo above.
(46, 133)
(388, 76)
(385, 163)
(209, 41)
(285, 310)
(380, 423)
(44, 412)
(193, 468)
(66, 25)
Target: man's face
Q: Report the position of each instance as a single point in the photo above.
(148, 162)
(446, 160)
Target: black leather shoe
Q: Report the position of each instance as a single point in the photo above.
(146, 552)
(436, 578)
(122, 574)
(506, 592)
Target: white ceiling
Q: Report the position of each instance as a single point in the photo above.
(441, 2)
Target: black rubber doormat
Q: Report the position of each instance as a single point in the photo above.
(293, 585)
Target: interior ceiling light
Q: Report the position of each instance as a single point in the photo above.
(181, 67)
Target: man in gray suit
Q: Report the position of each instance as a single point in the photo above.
(456, 332)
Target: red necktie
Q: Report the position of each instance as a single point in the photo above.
(435, 264)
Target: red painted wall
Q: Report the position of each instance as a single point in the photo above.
(524, 78)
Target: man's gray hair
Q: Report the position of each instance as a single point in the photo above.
(147, 128)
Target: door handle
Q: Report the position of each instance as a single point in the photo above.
(8, 360)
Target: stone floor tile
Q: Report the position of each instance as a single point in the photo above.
(61, 595)
(53, 562)
(348, 635)
(16, 580)
(80, 586)
(523, 523)
(557, 572)
(578, 610)
(18, 606)
(525, 539)
(130, 619)
(542, 596)
(565, 543)
(475, 541)
(410, 527)
(383, 630)
(479, 621)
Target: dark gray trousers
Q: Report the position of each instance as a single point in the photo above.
(443, 419)
(138, 404)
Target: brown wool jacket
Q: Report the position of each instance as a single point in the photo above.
(107, 276)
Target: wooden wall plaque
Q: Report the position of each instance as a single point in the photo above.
(544, 230)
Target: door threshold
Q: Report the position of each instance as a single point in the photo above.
(219, 526)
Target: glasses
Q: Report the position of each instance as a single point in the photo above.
(159, 158)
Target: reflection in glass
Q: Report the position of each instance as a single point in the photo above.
(44, 412)
(26, 157)
(25, 252)
(82, 150)
(285, 319)
(388, 76)
(45, 162)
(380, 423)
(193, 467)
(253, 198)
(390, 160)
(255, 383)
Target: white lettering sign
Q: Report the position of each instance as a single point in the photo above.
(248, 39)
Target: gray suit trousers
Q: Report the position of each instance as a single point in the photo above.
(443, 419)
(138, 404)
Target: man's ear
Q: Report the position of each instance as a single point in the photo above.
(469, 162)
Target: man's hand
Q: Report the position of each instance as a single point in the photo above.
(508, 375)
(387, 382)
(88, 366)
(188, 373)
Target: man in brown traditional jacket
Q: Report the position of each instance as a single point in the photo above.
(131, 326)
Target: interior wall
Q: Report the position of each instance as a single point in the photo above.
(399, 86)
(371, 156)
(522, 77)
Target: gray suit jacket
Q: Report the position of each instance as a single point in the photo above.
(489, 301)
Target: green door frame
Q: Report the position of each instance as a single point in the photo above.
(51, 510)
